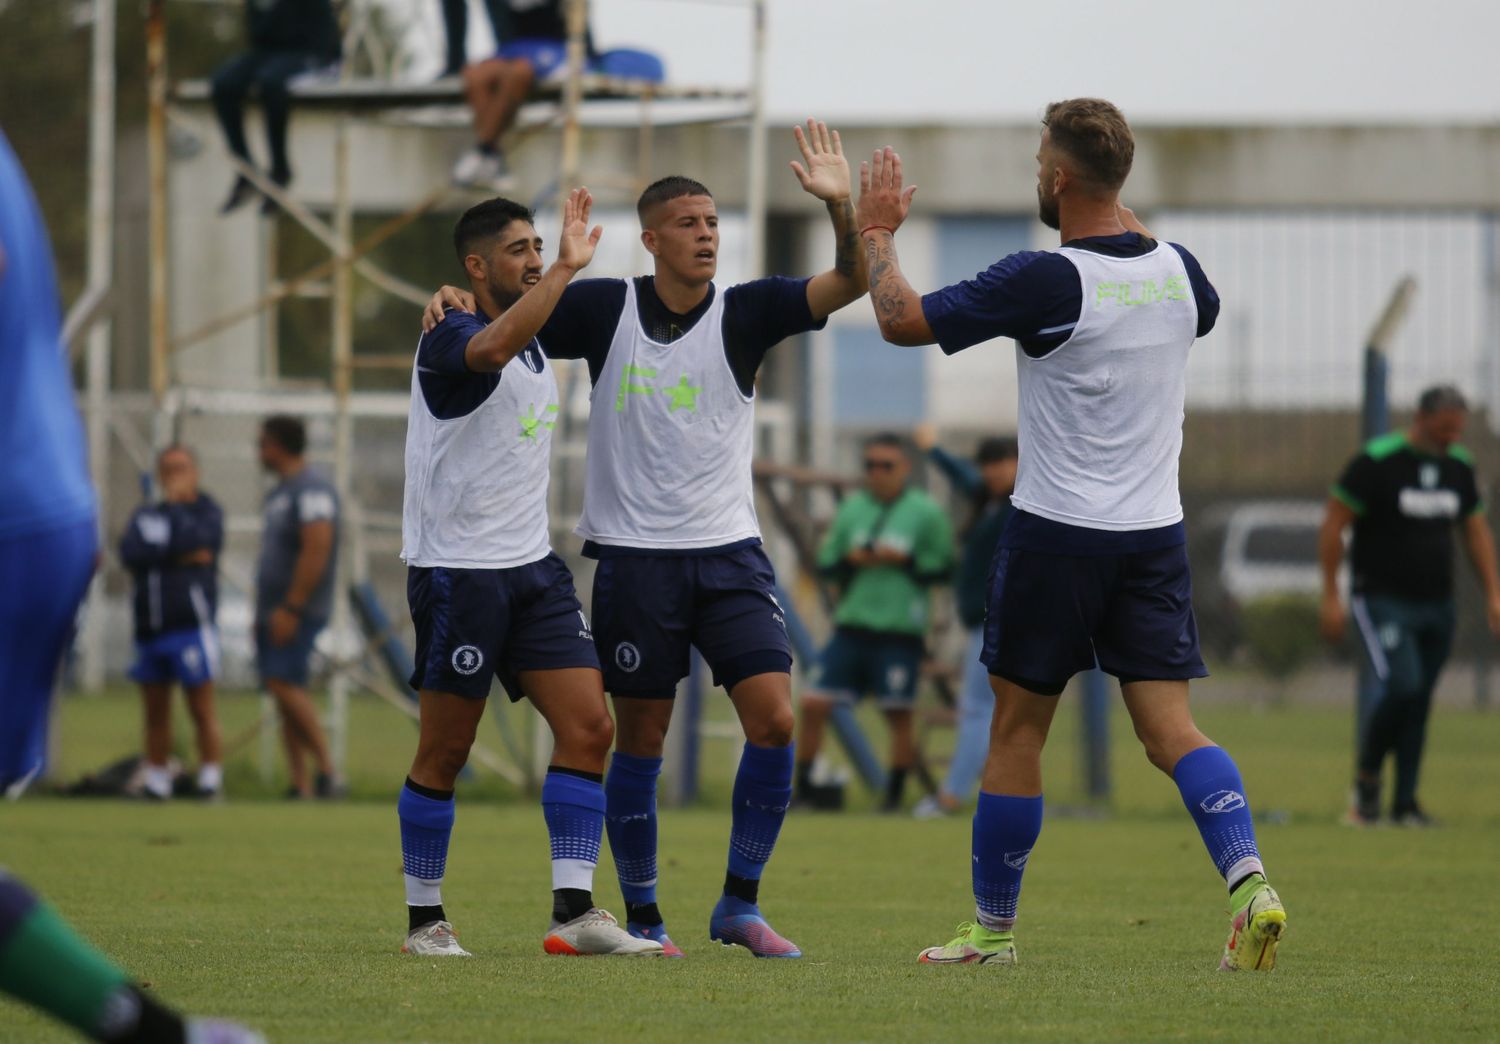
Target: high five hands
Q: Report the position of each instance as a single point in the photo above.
(824, 172)
(883, 200)
(575, 246)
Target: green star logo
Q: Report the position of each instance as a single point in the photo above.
(683, 395)
(530, 423)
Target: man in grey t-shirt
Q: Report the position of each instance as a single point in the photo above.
(294, 593)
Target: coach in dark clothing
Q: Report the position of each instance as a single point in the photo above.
(172, 551)
(287, 38)
(1404, 495)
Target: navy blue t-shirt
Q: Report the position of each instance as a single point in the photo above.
(449, 387)
(757, 316)
(1036, 297)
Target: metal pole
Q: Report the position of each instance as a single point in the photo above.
(100, 273)
(343, 434)
(755, 196)
(156, 156)
(568, 169)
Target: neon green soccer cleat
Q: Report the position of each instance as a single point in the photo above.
(975, 944)
(1256, 928)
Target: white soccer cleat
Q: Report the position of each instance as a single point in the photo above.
(437, 939)
(215, 1031)
(597, 934)
(483, 170)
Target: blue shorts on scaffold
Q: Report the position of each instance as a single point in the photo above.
(476, 624)
(1051, 616)
(650, 610)
(43, 578)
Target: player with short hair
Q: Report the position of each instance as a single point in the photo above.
(669, 512)
(488, 595)
(48, 547)
(889, 543)
(1092, 565)
(294, 592)
(1403, 496)
(172, 550)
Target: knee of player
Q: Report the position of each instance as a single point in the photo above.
(443, 761)
(774, 730)
(593, 735)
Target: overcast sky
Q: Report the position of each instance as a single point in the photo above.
(1255, 61)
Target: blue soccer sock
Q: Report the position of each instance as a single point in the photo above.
(630, 818)
(1005, 831)
(762, 791)
(1215, 797)
(426, 825)
(573, 806)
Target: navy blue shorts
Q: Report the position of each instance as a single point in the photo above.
(189, 657)
(856, 662)
(649, 610)
(43, 578)
(475, 624)
(290, 663)
(1051, 616)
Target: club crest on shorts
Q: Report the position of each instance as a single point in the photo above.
(467, 659)
(627, 657)
(1222, 801)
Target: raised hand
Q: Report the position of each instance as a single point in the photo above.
(575, 247)
(826, 172)
(883, 200)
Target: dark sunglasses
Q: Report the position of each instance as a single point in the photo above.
(880, 465)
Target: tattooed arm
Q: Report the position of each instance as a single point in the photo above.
(826, 176)
(883, 206)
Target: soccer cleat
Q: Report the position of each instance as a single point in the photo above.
(1412, 816)
(598, 934)
(437, 939)
(1255, 931)
(975, 944)
(656, 933)
(216, 1031)
(481, 169)
(735, 922)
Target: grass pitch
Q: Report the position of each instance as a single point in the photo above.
(289, 916)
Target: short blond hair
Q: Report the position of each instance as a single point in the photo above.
(1095, 136)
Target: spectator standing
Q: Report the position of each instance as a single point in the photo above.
(294, 593)
(1403, 496)
(288, 38)
(888, 544)
(172, 551)
(987, 483)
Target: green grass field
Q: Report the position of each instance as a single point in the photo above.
(289, 916)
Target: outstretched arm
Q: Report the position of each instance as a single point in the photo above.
(826, 176)
(883, 206)
(502, 340)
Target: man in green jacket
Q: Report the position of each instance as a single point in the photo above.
(887, 546)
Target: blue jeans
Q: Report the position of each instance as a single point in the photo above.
(976, 705)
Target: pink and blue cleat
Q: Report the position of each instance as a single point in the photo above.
(655, 933)
(738, 923)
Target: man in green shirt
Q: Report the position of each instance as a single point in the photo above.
(887, 546)
(1404, 496)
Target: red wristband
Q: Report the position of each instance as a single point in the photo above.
(881, 228)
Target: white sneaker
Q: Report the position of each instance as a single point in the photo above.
(437, 939)
(483, 170)
(597, 933)
(214, 1031)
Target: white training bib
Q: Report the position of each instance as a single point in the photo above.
(476, 485)
(1101, 414)
(671, 438)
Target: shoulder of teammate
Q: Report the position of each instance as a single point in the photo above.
(758, 316)
(583, 323)
(441, 349)
(1034, 296)
(1359, 483)
(316, 501)
(1204, 294)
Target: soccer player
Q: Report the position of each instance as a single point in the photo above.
(48, 547)
(889, 543)
(172, 551)
(488, 596)
(1092, 566)
(294, 594)
(670, 514)
(1403, 496)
